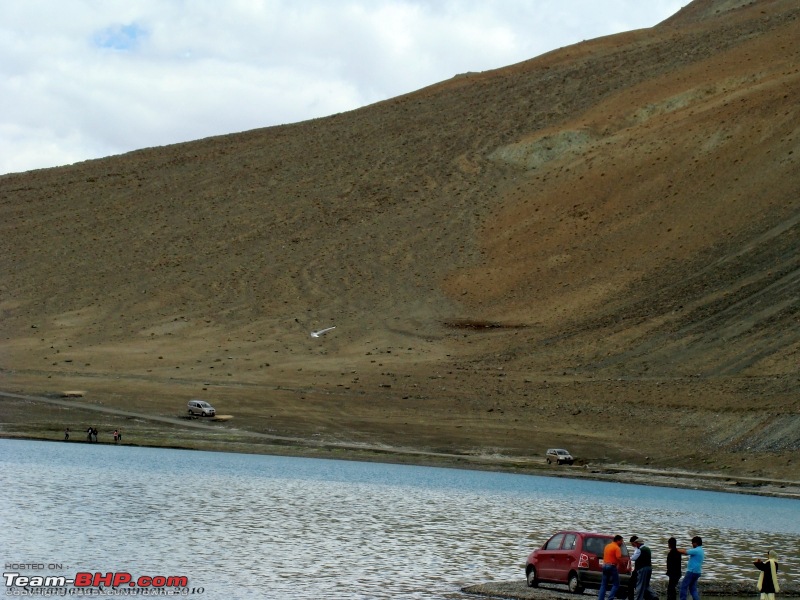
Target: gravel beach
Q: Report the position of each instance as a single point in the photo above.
(519, 589)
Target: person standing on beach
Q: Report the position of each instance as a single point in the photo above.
(768, 579)
(116, 436)
(694, 568)
(673, 569)
(612, 557)
(89, 434)
(643, 568)
(632, 579)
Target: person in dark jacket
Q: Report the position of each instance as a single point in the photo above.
(632, 579)
(768, 579)
(673, 569)
(643, 569)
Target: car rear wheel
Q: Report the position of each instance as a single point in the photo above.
(574, 584)
(532, 581)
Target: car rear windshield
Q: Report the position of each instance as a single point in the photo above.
(596, 545)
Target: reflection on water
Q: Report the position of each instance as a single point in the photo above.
(246, 526)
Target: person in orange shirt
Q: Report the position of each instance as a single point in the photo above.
(612, 559)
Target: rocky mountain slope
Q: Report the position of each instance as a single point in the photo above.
(596, 248)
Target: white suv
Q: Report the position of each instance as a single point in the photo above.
(559, 456)
(202, 408)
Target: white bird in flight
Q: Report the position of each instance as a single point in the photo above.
(322, 331)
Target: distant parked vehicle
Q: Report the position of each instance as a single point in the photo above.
(201, 408)
(559, 456)
(575, 558)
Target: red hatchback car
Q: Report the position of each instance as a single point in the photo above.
(576, 559)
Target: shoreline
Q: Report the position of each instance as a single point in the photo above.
(612, 473)
(192, 433)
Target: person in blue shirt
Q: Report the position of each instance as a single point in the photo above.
(694, 568)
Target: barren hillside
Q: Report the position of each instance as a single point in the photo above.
(596, 248)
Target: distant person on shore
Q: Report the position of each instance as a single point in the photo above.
(643, 569)
(66, 434)
(768, 578)
(612, 557)
(119, 434)
(694, 568)
(673, 569)
(89, 434)
(94, 433)
(116, 436)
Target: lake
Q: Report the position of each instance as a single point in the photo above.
(253, 526)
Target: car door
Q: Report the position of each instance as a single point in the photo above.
(565, 558)
(547, 558)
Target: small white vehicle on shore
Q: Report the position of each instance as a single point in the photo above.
(559, 456)
(201, 408)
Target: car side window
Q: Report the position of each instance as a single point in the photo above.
(555, 542)
(569, 541)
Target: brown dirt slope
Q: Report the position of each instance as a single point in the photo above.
(596, 248)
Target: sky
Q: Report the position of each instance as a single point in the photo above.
(82, 79)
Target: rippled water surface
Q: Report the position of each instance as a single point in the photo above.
(246, 526)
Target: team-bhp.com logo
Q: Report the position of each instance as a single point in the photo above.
(114, 583)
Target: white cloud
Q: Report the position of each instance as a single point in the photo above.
(88, 78)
